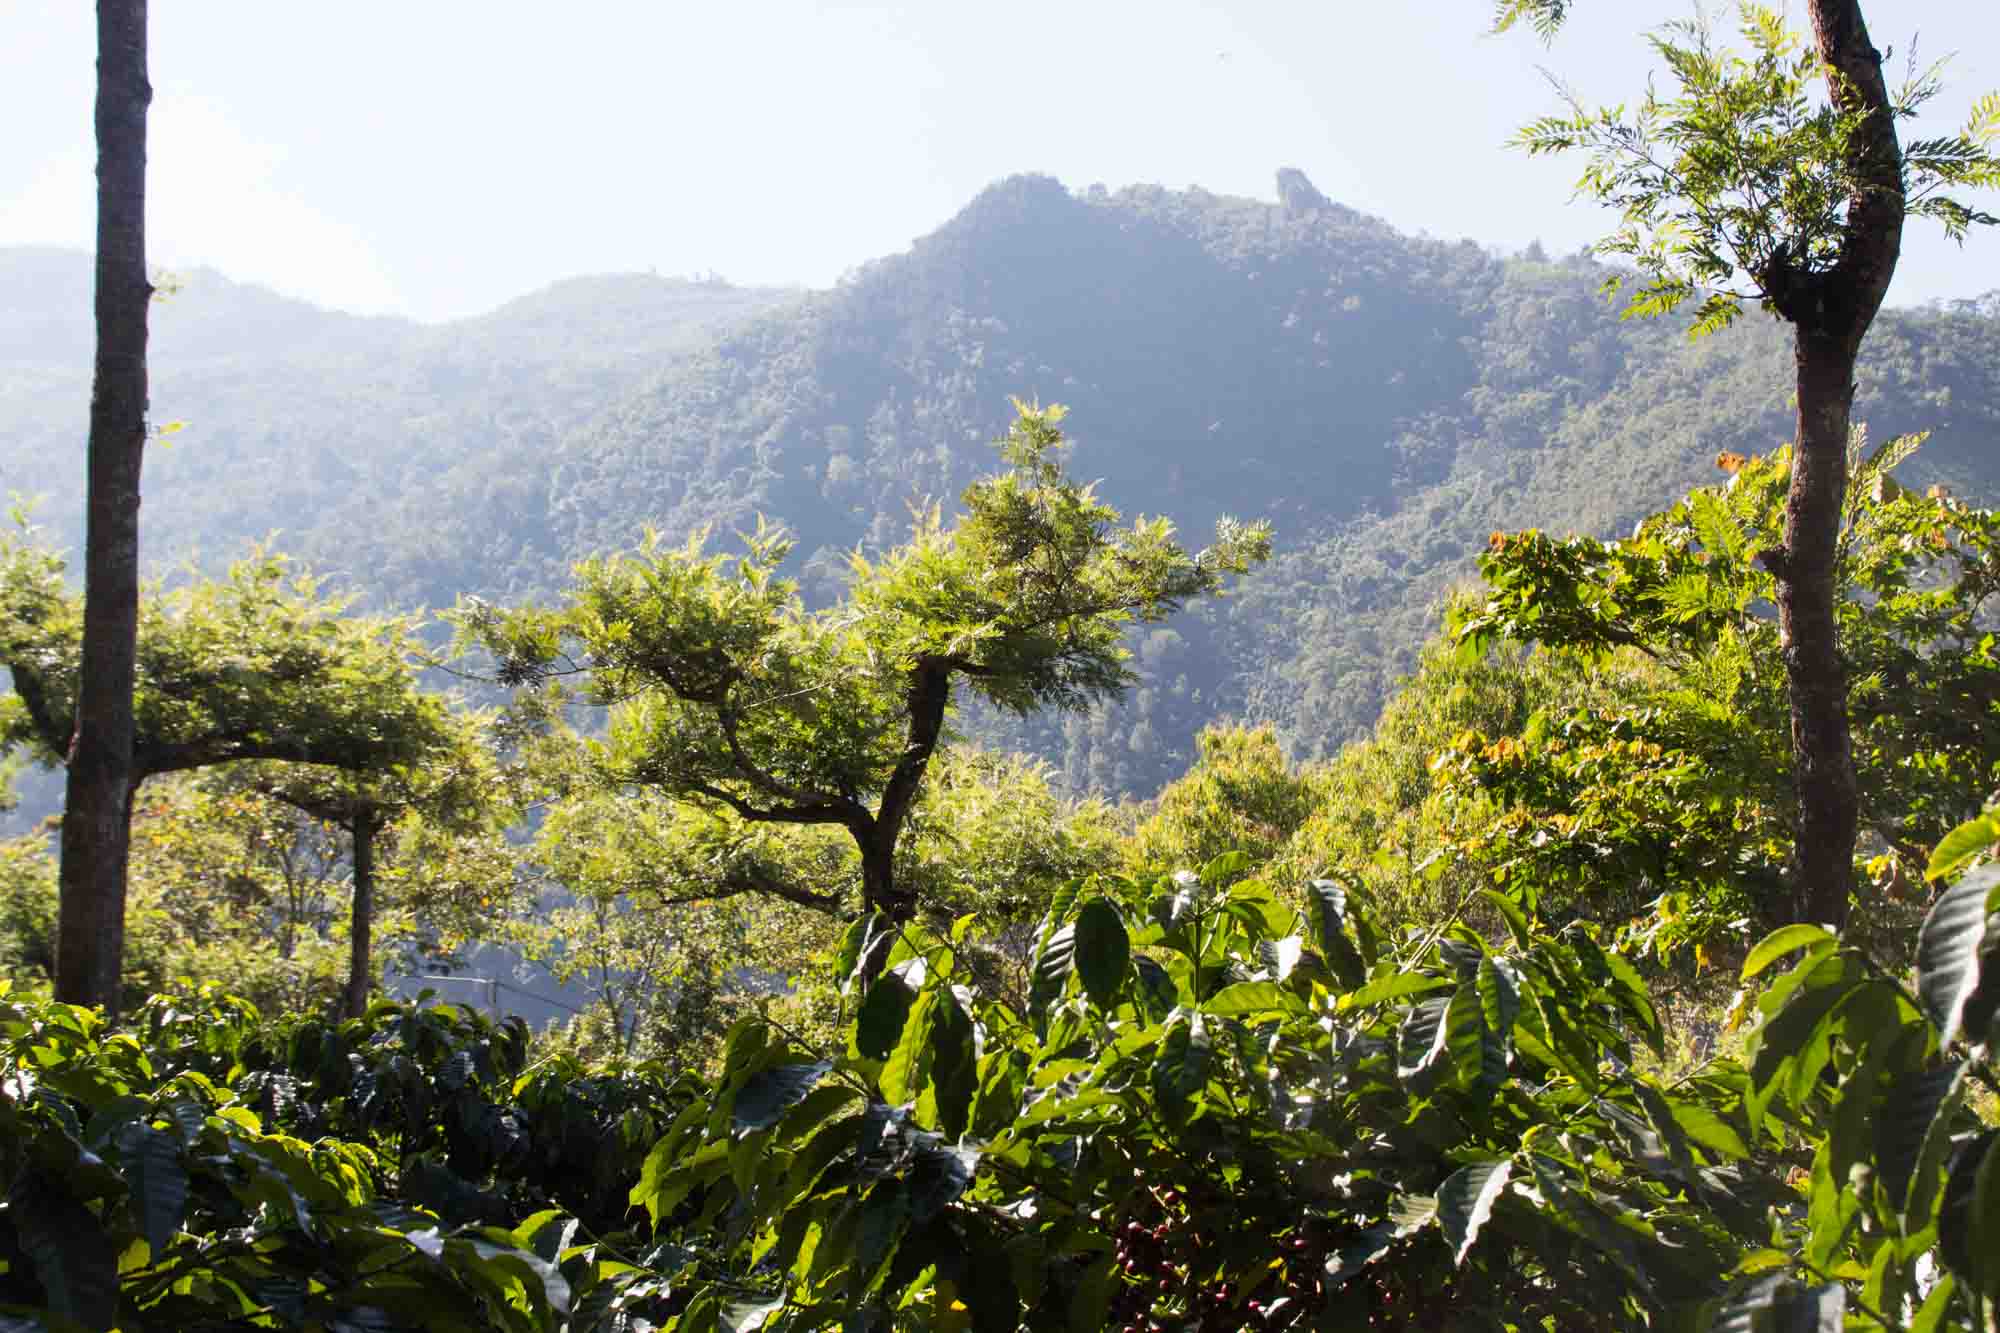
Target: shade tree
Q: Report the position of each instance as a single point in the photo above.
(262, 664)
(1777, 175)
(1685, 783)
(447, 812)
(726, 691)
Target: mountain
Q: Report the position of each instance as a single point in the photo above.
(355, 439)
(1385, 400)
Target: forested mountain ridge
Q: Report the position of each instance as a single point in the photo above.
(357, 439)
(1386, 401)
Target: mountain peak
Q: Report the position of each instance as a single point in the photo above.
(1298, 194)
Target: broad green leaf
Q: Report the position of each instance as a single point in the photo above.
(72, 1255)
(815, 1109)
(1281, 956)
(1466, 1037)
(1710, 1130)
(1958, 1211)
(1465, 1201)
(1361, 1252)
(651, 1190)
(954, 1062)
(1773, 1303)
(1499, 987)
(1784, 940)
(1065, 898)
(1329, 901)
(1252, 997)
(1181, 1069)
(1102, 951)
(1053, 965)
(1225, 867)
(885, 1216)
(1422, 1041)
(909, 1065)
(883, 1013)
(1511, 913)
(1669, 1130)
(1394, 986)
(158, 1181)
(767, 1094)
(853, 943)
(1783, 1036)
(747, 1316)
(937, 1177)
(1157, 987)
(1962, 844)
(1873, 1023)
(1948, 949)
(1912, 1129)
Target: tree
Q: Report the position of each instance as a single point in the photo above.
(259, 666)
(728, 693)
(1240, 795)
(98, 735)
(1745, 187)
(455, 789)
(1682, 783)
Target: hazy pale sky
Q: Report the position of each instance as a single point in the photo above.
(437, 157)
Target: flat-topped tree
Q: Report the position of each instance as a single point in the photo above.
(728, 692)
(261, 665)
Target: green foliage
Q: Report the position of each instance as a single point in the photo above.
(1738, 186)
(1386, 400)
(1388, 814)
(262, 665)
(730, 694)
(228, 885)
(1685, 783)
(174, 1177)
(1240, 795)
(631, 909)
(1200, 1123)
(1899, 1202)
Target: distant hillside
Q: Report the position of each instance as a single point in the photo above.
(329, 427)
(1385, 400)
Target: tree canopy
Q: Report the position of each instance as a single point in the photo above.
(728, 692)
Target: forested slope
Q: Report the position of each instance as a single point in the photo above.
(1386, 400)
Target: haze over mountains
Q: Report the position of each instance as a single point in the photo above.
(1386, 400)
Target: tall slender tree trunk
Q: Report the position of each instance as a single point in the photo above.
(361, 929)
(96, 830)
(1816, 677)
(1831, 312)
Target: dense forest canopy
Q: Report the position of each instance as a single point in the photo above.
(1384, 400)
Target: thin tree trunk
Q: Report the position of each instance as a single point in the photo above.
(96, 829)
(359, 973)
(1816, 677)
(1831, 312)
(928, 697)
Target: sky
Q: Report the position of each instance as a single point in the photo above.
(437, 158)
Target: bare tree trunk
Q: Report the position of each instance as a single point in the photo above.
(359, 973)
(96, 831)
(1816, 677)
(928, 696)
(1831, 312)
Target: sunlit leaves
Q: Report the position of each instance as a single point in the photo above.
(1734, 184)
(1465, 1201)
